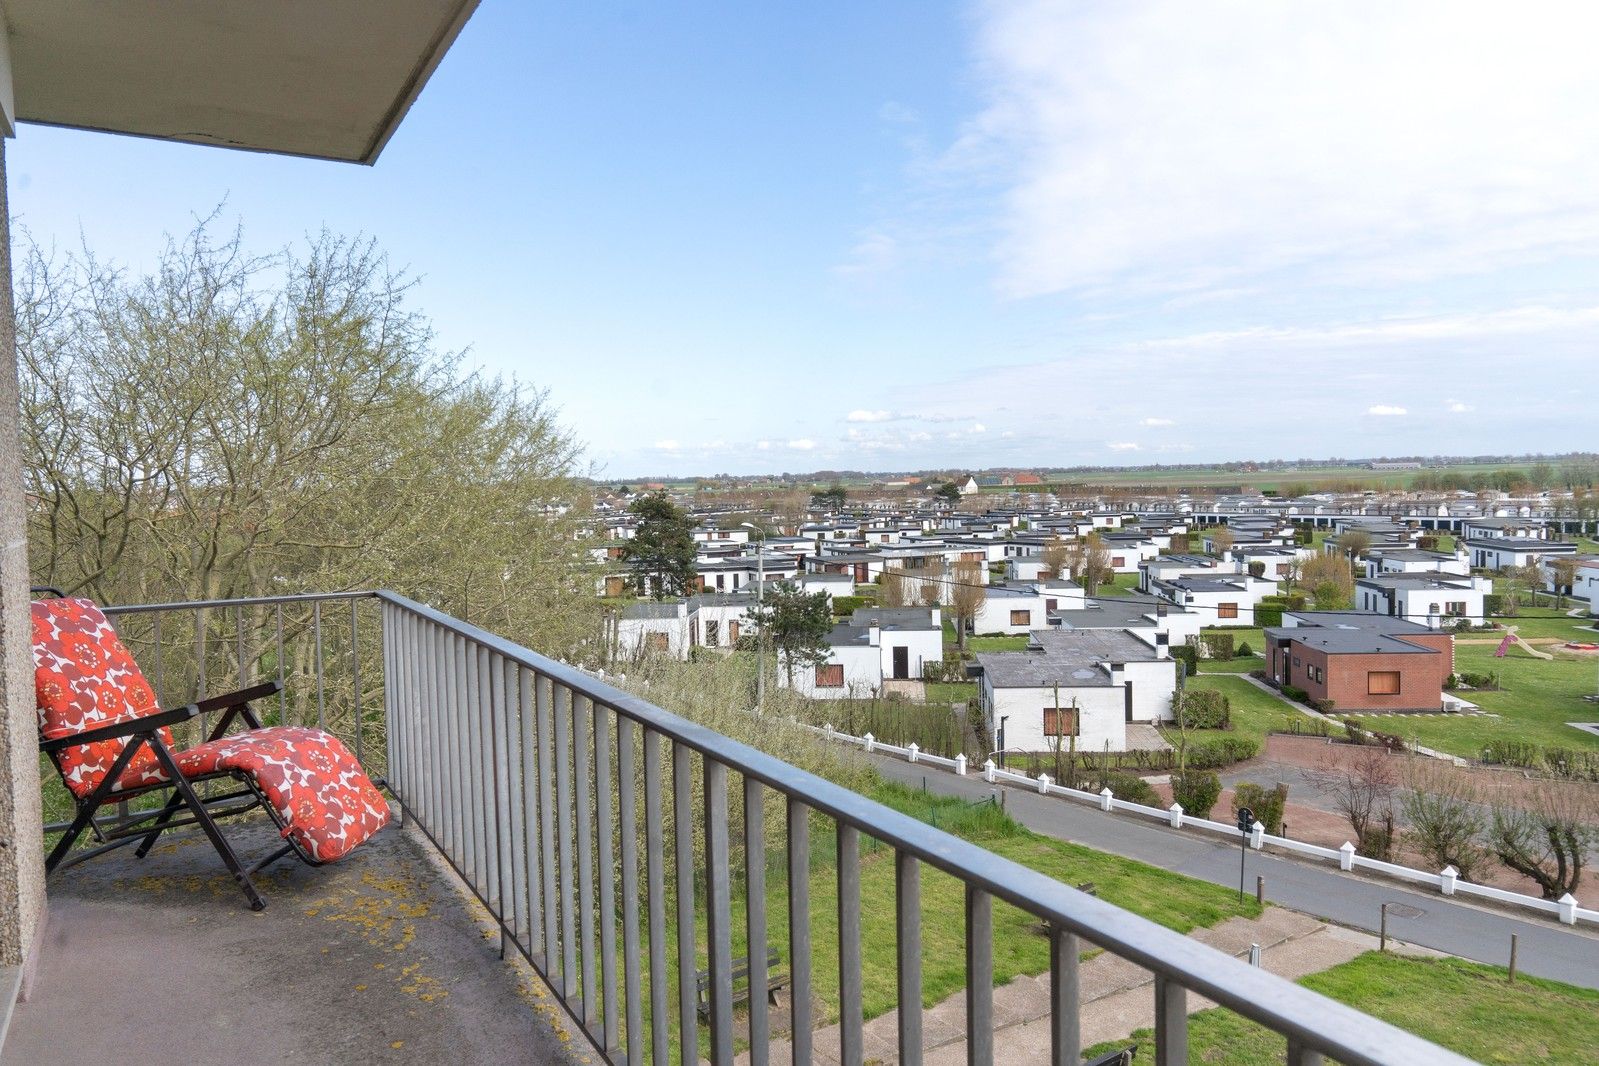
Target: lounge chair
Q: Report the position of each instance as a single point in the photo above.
(101, 727)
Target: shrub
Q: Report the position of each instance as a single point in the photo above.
(1197, 791)
(1259, 675)
(1257, 569)
(844, 606)
(1293, 601)
(1215, 752)
(1298, 695)
(1324, 706)
(1204, 709)
(1355, 732)
(1130, 788)
(1243, 651)
(1495, 603)
(1268, 614)
(1189, 657)
(1266, 803)
(1218, 645)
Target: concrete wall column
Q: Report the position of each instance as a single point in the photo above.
(21, 825)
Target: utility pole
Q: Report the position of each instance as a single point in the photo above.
(760, 600)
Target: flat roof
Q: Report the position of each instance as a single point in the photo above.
(324, 80)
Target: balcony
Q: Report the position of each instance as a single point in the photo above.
(584, 836)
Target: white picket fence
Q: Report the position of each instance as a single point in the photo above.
(1566, 909)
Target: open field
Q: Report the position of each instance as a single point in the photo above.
(1536, 700)
(1254, 713)
(1464, 1006)
(1262, 480)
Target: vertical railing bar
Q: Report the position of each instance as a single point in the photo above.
(979, 977)
(760, 1019)
(321, 703)
(160, 663)
(719, 914)
(355, 670)
(655, 895)
(543, 694)
(582, 710)
(429, 679)
(626, 798)
(1300, 1055)
(402, 666)
(605, 828)
(1171, 1022)
(498, 761)
(459, 793)
(238, 625)
(683, 845)
(563, 819)
(393, 701)
(283, 688)
(199, 675)
(799, 928)
(908, 928)
(1065, 1034)
(530, 815)
(851, 1043)
(483, 767)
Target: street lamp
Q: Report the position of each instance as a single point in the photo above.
(760, 599)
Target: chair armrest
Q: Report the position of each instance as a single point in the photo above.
(130, 727)
(239, 698)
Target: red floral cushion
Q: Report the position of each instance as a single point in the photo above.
(314, 784)
(85, 678)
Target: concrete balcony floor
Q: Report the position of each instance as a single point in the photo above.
(382, 957)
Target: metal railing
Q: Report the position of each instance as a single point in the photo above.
(547, 791)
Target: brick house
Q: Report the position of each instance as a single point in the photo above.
(1361, 661)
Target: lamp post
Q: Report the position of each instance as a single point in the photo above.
(760, 599)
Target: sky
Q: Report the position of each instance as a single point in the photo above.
(751, 238)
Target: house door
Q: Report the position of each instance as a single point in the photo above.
(613, 586)
(732, 633)
(1127, 700)
(902, 664)
(861, 576)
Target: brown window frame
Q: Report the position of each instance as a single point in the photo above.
(825, 674)
(1371, 683)
(1052, 721)
(1026, 618)
(659, 641)
(1227, 610)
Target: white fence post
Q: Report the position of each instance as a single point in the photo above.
(827, 731)
(960, 765)
(871, 742)
(912, 751)
(988, 771)
(1176, 815)
(1448, 875)
(1346, 856)
(1257, 835)
(1105, 796)
(1568, 908)
(1043, 783)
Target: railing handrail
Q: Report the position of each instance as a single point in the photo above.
(1305, 1017)
(246, 601)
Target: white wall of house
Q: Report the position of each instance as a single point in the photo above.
(834, 585)
(863, 674)
(922, 646)
(1009, 614)
(1101, 716)
(633, 636)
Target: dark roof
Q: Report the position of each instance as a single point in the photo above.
(1071, 659)
(1354, 633)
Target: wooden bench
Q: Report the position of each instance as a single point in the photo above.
(741, 982)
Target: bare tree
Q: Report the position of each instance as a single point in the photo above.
(1221, 538)
(1361, 786)
(1445, 816)
(1056, 557)
(1564, 572)
(1354, 542)
(895, 589)
(1547, 836)
(1089, 561)
(1329, 580)
(966, 598)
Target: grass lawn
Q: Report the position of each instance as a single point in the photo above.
(1536, 701)
(1119, 585)
(1254, 636)
(1231, 666)
(950, 691)
(1000, 643)
(1254, 713)
(1464, 1006)
(1545, 622)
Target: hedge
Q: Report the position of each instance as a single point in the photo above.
(1218, 645)
(1197, 791)
(1271, 615)
(1266, 804)
(1204, 709)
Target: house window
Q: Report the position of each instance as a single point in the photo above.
(830, 675)
(711, 627)
(1282, 569)
(1118, 560)
(1457, 608)
(1060, 721)
(660, 642)
(1021, 618)
(1382, 683)
(732, 632)
(1226, 610)
(719, 579)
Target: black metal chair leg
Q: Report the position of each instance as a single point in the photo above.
(68, 838)
(218, 841)
(173, 806)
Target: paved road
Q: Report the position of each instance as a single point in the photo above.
(1546, 949)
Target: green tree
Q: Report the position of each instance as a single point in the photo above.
(831, 497)
(796, 623)
(662, 550)
(949, 491)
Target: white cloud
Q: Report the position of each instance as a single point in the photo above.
(1385, 410)
(667, 445)
(763, 445)
(868, 416)
(804, 444)
(1188, 146)
(978, 427)
(1157, 422)
(1122, 446)
(1458, 408)
(1006, 435)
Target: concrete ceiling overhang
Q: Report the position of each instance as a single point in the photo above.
(329, 79)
